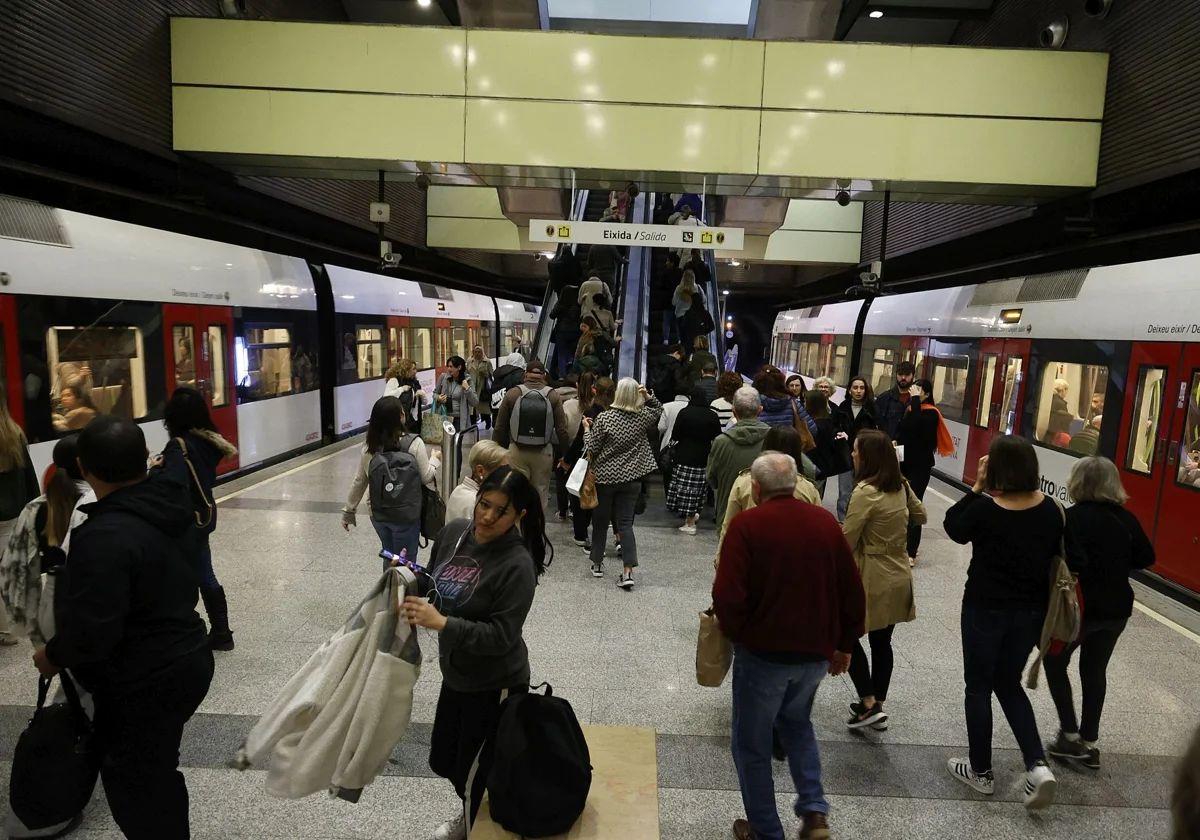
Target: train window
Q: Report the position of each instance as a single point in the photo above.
(1189, 455)
(369, 352)
(422, 348)
(983, 406)
(1147, 408)
(950, 385)
(808, 359)
(95, 370)
(485, 339)
(1071, 395)
(184, 344)
(1012, 378)
(881, 369)
(216, 356)
(263, 363)
(841, 360)
(458, 341)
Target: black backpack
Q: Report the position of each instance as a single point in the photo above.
(700, 317)
(532, 420)
(541, 770)
(395, 484)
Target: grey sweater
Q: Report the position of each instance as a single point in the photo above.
(485, 591)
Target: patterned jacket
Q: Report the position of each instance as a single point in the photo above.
(618, 443)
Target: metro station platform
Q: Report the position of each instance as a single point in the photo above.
(627, 659)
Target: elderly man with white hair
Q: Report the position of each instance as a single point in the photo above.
(789, 596)
(736, 447)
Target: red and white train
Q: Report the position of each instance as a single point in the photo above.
(1103, 361)
(100, 316)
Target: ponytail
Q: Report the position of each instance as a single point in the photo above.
(523, 496)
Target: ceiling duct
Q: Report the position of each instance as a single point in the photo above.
(1097, 8)
(1054, 33)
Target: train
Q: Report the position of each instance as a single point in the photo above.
(101, 316)
(1103, 361)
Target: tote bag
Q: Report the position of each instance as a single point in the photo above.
(575, 479)
(714, 652)
(431, 425)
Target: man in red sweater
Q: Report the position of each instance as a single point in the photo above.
(789, 597)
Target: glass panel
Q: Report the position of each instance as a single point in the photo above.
(370, 352)
(1063, 401)
(919, 362)
(1012, 386)
(485, 338)
(840, 361)
(216, 360)
(184, 344)
(881, 369)
(987, 381)
(264, 363)
(950, 385)
(95, 370)
(458, 342)
(1147, 407)
(1189, 457)
(422, 350)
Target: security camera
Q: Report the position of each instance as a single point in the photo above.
(388, 257)
(1054, 33)
(1097, 8)
(423, 182)
(843, 198)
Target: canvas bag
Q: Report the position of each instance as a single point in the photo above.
(714, 652)
(431, 425)
(1064, 611)
(532, 420)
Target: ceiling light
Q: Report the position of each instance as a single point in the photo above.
(424, 4)
(725, 292)
(734, 263)
(876, 14)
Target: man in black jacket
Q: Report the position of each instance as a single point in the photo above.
(127, 629)
(892, 403)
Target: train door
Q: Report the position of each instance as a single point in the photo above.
(10, 359)
(913, 349)
(999, 390)
(198, 354)
(442, 345)
(400, 344)
(1177, 538)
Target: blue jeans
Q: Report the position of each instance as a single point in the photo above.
(996, 643)
(770, 696)
(396, 535)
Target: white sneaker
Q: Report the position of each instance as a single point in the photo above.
(688, 529)
(1040, 787)
(455, 829)
(960, 768)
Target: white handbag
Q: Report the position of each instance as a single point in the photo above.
(575, 479)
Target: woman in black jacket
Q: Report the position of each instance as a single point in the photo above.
(857, 412)
(917, 433)
(696, 427)
(592, 404)
(190, 460)
(1107, 543)
(831, 455)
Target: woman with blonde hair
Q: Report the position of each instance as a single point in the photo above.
(486, 457)
(401, 382)
(479, 368)
(18, 487)
(1105, 544)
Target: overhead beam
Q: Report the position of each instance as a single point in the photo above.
(851, 11)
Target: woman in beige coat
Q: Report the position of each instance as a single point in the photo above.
(876, 527)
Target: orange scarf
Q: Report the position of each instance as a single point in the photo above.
(945, 442)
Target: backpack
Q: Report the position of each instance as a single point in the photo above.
(395, 484)
(700, 317)
(1064, 610)
(505, 377)
(542, 769)
(532, 421)
(433, 513)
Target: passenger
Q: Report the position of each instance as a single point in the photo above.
(387, 432)
(831, 455)
(780, 408)
(681, 303)
(683, 218)
(566, 315)
(696, 323)
(190, 458)
(664, 288)
(401, 382)
(666, 427)
(617, 447)
(604, 318)
(587, 295)
(500, 554)
(1014, 537)
(707, 381)
(128, 631)
(700, 358)
(604, 262)
(479, 369)
(1189, 467)
(623, 201)
(531, 423)
(508, 375)
(795, 386)
(594, 352)
(486, 457)
(826, 386)
(727, 384)
(568, 392)
(892, 403)
(76, 409)
(918, 434)
(856, 413)
(591, 403)
(18, 487)
(876, 527)
(779, 439)
(789, 597)
(695, 428)
(1058, 427)
(456, 393)
(1107, 544)
(700, 269)
(1087, 441)
(737, 447)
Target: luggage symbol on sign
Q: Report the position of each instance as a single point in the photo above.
(564, 230)
(706, 238)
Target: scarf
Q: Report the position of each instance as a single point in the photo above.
(945, 441)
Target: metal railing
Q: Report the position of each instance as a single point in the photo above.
(635, 302)
(452, 451)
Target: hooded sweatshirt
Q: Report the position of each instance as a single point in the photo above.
(733, 451)
(125, 604)
(485, 592)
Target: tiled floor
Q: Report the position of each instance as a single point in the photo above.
(293, 575)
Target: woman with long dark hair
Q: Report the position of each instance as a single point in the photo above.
(831, 455)
(481, 583)
(190, 459)
(456, 393)
(598, 397)
(387, 431)
(857, 412)
(918, 434)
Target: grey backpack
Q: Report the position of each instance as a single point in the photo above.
(532, 420)
(395, 484)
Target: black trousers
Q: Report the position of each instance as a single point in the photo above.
(1096, 643)
(464, 726)
(873, 680)
(561, 496)
(137, 740)
(918, 479)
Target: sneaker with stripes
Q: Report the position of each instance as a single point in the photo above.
(1040, 787)
(960, 768)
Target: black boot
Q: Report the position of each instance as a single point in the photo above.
(220, 637)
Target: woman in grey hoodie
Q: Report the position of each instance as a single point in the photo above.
(482, 580)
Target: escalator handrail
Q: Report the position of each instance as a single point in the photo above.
(716, 343)
(632, 300)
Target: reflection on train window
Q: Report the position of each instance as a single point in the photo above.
(263, 363)
(1189, 455)
(808, 359)
(398, 346)
(1012, 381)
(369, 341)
(485, 339)
(1147, 408)
(216, 361)
(881, 369)
(458, 342)
(422, 349)
(184, 344)
(1069, 399)
(840, 363)
(987, 381)
(95, 370)
(950, 385)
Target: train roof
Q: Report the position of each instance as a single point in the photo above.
(369, 293)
